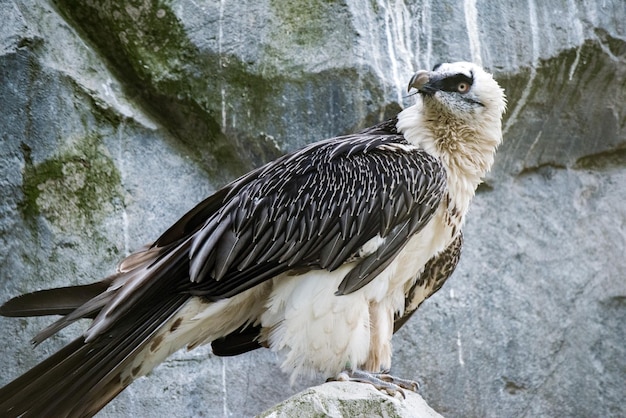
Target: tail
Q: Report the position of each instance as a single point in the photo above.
(83, 377)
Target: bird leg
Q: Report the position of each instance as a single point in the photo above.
(382, 381)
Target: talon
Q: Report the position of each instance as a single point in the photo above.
(411, 385)
(382, 381)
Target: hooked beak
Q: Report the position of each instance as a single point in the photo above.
(419, 80)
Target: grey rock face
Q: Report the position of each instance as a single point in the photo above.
(117, 117)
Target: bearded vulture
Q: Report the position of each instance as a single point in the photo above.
(321, 255)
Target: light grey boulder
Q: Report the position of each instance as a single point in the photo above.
(350, 400)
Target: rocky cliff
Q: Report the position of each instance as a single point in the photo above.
(118, 116)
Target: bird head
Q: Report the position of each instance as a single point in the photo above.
(458, 120)
(460, 90)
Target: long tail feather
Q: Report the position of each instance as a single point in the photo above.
(82, 377)
(59, 301)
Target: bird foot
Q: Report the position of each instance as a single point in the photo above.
(382, 381)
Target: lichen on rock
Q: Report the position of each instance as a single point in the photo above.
(74, 189)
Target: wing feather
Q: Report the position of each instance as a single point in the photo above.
(437, 270)
(316, 209)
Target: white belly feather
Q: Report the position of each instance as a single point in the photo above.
(319, 331)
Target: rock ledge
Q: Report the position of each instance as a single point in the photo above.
(350, 399)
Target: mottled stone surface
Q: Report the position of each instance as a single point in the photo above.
(117, 117)
(344, 399)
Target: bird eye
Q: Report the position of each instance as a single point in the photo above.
(463, 87)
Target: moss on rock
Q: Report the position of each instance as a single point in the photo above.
(76, 188)
(180, 85)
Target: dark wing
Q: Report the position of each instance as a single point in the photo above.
(197, 217)
(436, 272)
(316, 208)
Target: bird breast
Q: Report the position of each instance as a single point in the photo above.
(319, 331)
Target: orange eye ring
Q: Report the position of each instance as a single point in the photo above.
(463, 87)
